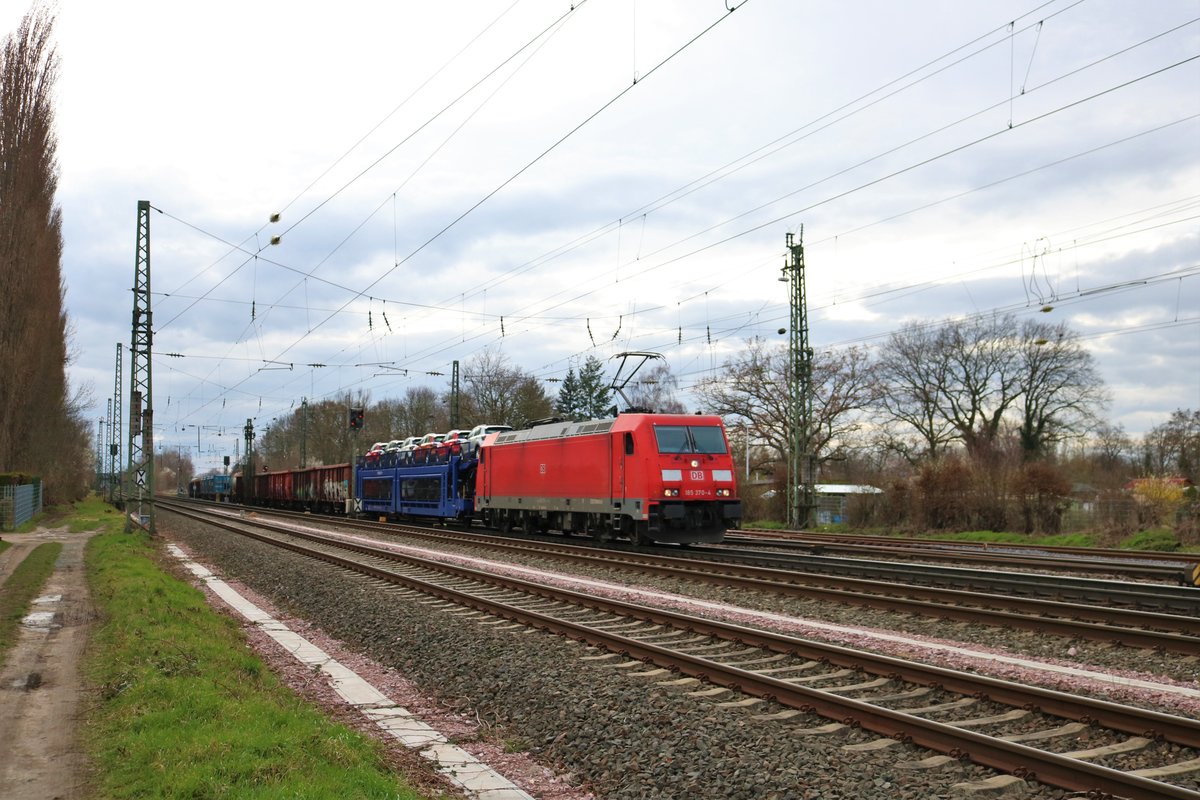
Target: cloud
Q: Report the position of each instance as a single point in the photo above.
(224, 115)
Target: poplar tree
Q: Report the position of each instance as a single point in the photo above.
(42, 429)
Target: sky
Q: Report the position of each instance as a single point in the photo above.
(551, 180)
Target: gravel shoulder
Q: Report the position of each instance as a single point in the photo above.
(619, 736)
(531, 704)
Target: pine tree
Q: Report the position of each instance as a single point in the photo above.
(594, 391)
(569, 403)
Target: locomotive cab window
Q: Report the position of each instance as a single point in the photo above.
(707, 439)
(672, 439)
(689, 439)
(628, 443)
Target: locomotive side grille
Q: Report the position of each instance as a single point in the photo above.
(555, 431)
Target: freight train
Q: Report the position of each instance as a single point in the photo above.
(641, 477)
(212, 487)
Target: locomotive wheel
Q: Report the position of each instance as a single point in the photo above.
(504, 524)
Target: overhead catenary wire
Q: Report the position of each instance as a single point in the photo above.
(574, 6)
(490, 194)
(1091, 64)
(520, 171)
(890, 150)
(1075, 244)
(431, 309)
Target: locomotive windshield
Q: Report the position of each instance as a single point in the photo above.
(689, 439)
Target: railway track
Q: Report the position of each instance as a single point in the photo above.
(1177, 598)
(1138, 565)
(1146, 754)
(1166, 632)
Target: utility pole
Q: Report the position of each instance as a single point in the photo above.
(454, 397)
(116, 491)
(355, 424)
(100, 454)
(248, 474)
(800, 471)
(303, 432)
(141, 397)
(107, 458)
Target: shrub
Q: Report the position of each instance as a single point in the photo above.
(1158, 499)
(944, 489)
(1044, 493)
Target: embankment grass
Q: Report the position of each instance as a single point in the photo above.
(183, 709)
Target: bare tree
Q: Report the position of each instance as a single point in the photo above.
(845, 390)
(500, 393)
(327, 434)
(984, 379)
(418, 413)
(953, 383)
(175, 468)
(1111, 446)
(753, 390)
(1173, 448)
(1061, 391)
(910, 373)
(1102, 461)
(655, 388)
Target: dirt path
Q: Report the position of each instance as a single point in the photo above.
(40, 686)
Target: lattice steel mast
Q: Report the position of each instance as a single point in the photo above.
(100, 453)
(116, 489)
(106, 458)
(800, 467)
(141, 399)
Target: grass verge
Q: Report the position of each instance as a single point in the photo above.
(21, 588)
(183, 709)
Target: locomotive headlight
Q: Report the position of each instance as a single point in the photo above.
(695, 463)
(722, 493)
(670, 493)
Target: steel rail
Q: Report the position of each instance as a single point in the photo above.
(1131, 720)
(1023, 761)
(1144, 629)
(767, 535)
(1183, 599)
(1140, 593)
(1171, 572)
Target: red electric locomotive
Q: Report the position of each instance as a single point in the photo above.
(645, 477)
